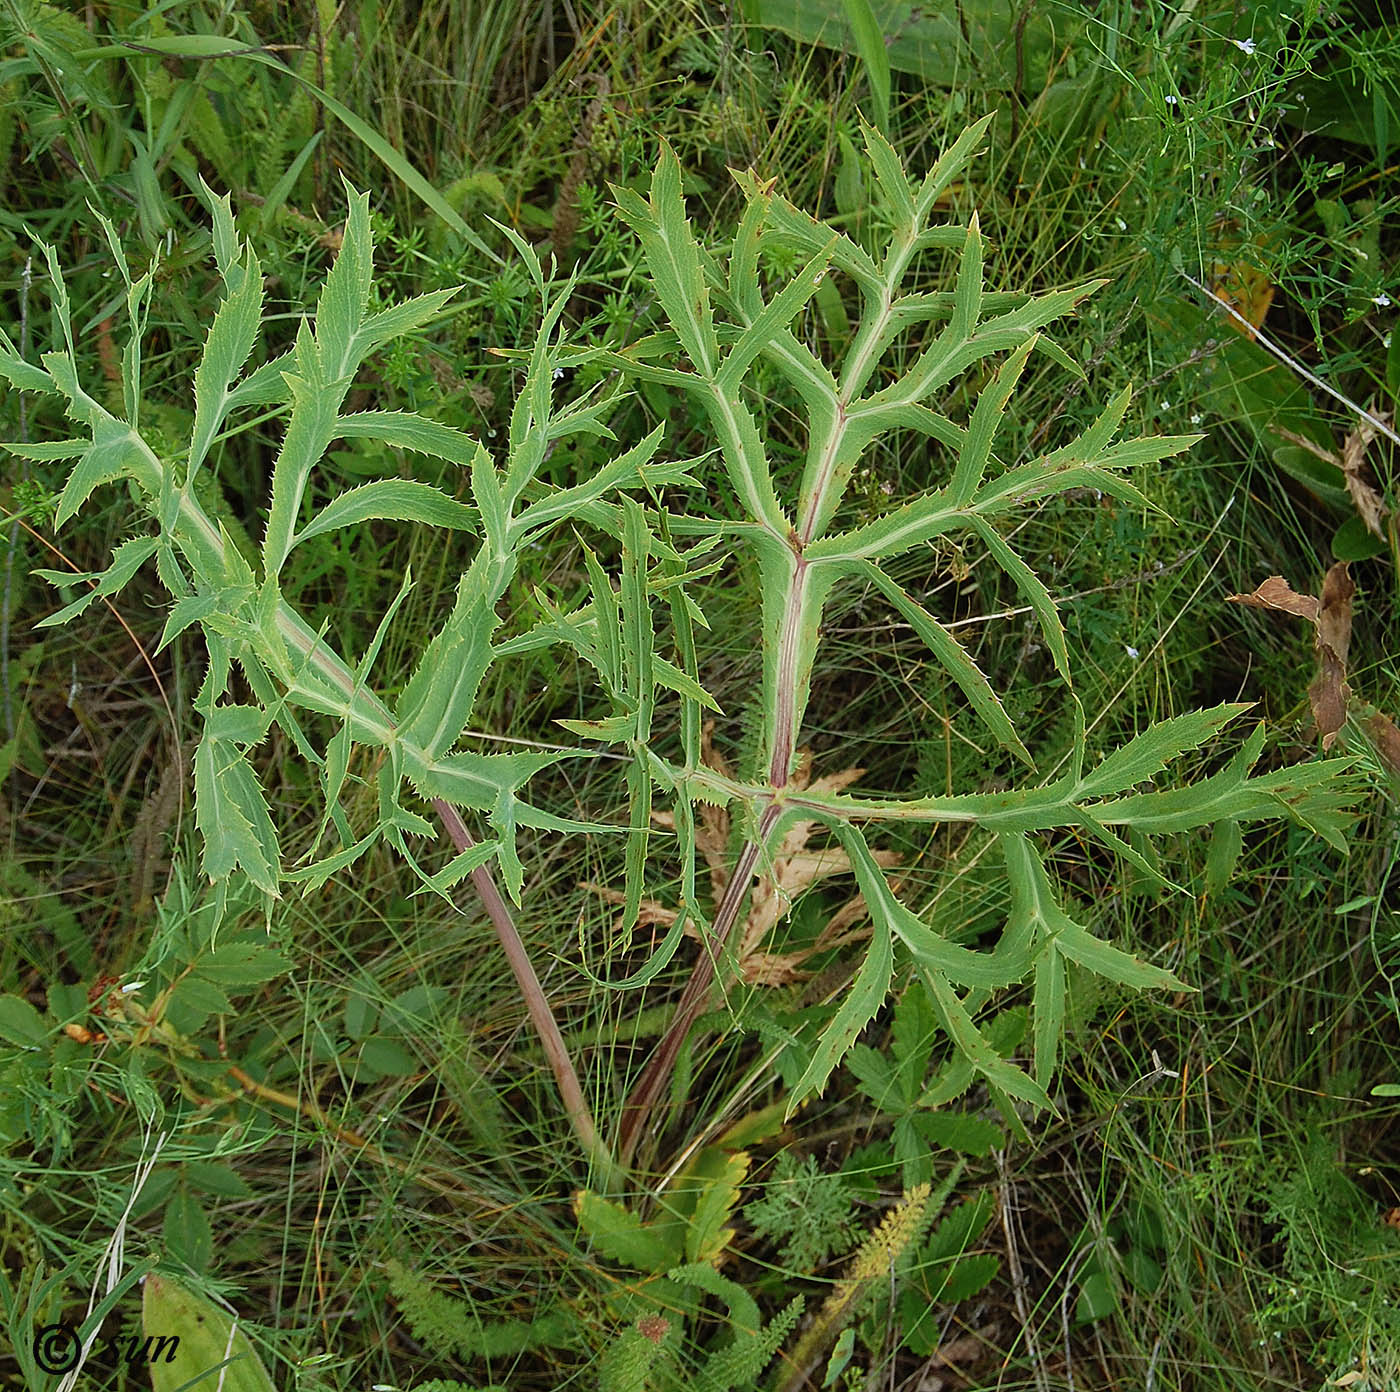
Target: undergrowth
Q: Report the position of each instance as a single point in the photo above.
(337, 1117)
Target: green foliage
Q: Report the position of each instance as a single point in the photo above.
(946, 1271)
(807, 1212)
(894, 1083)
(447, 1325)
(250, 621)
(1224, 141)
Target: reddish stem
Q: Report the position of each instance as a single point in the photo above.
(536, 1002)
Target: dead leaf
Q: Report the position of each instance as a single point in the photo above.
(1328, 692)
(1276, 593)
(1360, 482)
(1330, 616)
(792, 869)
(1359, 479)
(1385, 740)
(1247, 290)
(1334, 613)
(1303, 442)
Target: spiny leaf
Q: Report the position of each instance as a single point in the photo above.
(1150, 752)
(955, 661)
(673, 259)
(401, 500)
(232, 816)
(864, 998)
(231, 339)
(127, 559)
(927, 946)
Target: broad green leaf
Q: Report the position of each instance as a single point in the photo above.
(870, 44)
(20, 1023)
(194, 1344)
(969, 1135)
(1226, 843)
(621, 1236)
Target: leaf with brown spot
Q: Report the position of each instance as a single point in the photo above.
(1277, 593)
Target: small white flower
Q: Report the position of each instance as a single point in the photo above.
(1196, 418)
(1171, 99)
(1131, 651)
(558, 373)
(1164, 406)
(1382, 299)
(1122, 226)
(132, 987)
(1244, 45)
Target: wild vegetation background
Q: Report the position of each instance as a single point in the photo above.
(364, 1155)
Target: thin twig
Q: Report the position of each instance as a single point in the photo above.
(1290, 362)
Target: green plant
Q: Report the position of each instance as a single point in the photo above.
(807, 1212)
(327, 703)
(894, 1083)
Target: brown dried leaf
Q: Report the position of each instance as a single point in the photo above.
(1331, 619)
(1312, 447)
(1334, 613)
(1359, 479)
(1385, 740)
(1328, 694)
(1276, 593)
